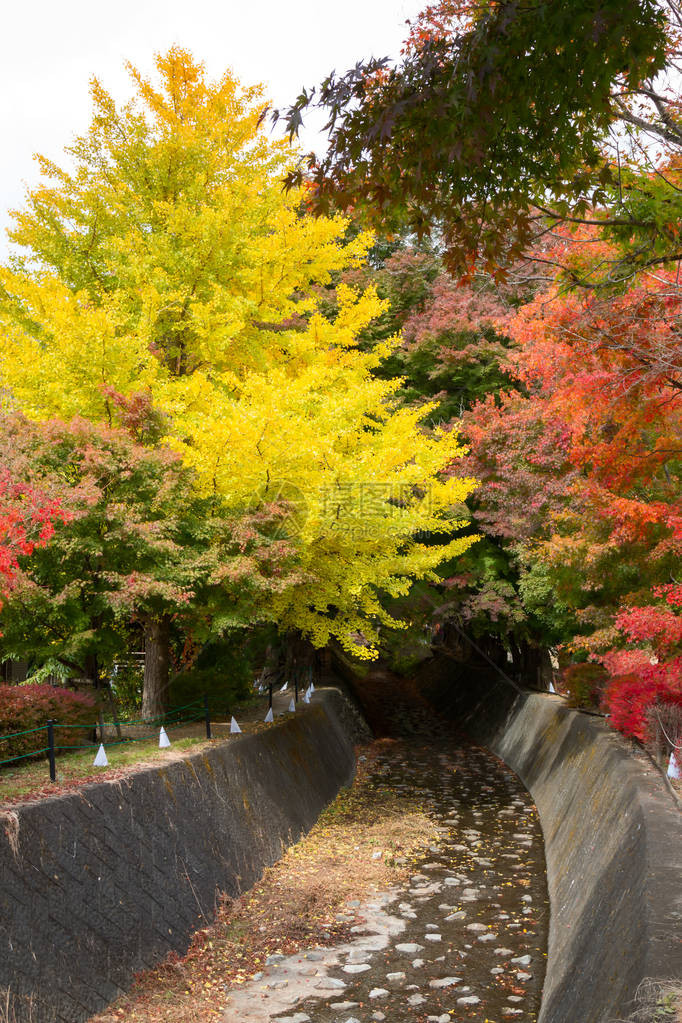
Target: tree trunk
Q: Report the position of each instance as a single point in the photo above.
(156, 667)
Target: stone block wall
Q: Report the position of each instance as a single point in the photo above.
(101, 883)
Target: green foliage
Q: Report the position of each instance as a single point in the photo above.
(223, 671)
(125, 546)
(127, 678)
(494, 107)
(584, 684)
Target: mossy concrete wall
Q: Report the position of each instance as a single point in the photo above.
(101, 883)
(613, 840)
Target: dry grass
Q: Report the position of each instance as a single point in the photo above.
(658, 1001)
(294, 906)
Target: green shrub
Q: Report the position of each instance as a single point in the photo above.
(224, 671)
(584, 684)
(23, 707)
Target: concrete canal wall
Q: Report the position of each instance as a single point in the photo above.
(101, 883)
(613, 841)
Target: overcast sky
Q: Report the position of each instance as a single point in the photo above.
(50, 48)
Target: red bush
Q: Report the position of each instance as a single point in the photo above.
(30, 706)
(631, 697)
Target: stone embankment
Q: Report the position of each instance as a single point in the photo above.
(101, 883)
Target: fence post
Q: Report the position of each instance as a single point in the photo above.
(50, 749)
(207, 717)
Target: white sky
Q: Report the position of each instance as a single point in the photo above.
(50, 48)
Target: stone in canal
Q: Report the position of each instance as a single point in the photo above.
(378, 992)
(409, 948)
(275, 960)
(356, 967)
(521, 960)
(395, 976)
(444, 982)
(468, 1000)
(416, 999)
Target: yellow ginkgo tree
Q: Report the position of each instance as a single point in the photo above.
(169, 261)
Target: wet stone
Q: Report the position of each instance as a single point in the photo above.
(440, 953)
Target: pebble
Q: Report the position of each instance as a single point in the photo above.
(445, 1018)
(328, 982)
(468, 1000)
(522, 960)
(409, 947)
(356, 967)
(342, 1006)
(477, 927)
(444, 981)
(395, 976)
(417, 963)
(378, 992)
(416, 999)
(378, 1016)
(432, 937)
(299, 1017)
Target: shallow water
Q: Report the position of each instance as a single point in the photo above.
(475, 909)
(465, 937)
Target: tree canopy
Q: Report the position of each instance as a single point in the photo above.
(497, 116)
(170, 265)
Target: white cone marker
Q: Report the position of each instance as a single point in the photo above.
(164, 741)
(306, 697)
(284, 687)
(269, 717)
(551, 687)
(674, 768)
(292, 706)
(101, 758)
(312, 688)
(234, 727)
